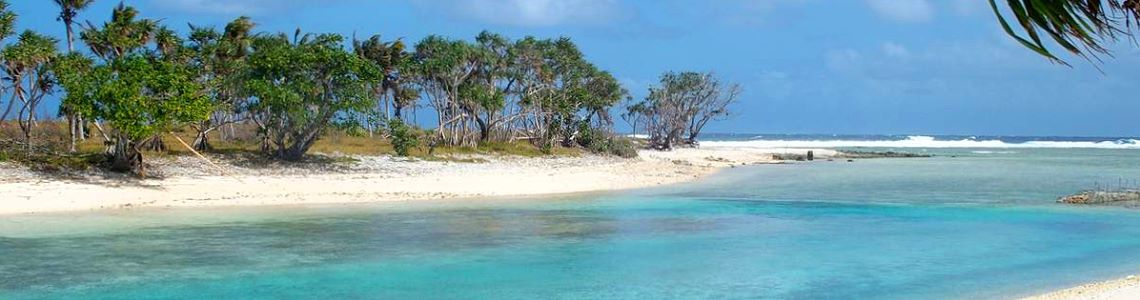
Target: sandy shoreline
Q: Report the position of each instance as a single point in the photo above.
(193, 183)
(1118, 289)
(369, 179)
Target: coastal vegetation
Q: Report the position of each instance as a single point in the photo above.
(680, 106)
(1080, 27)
(138, 84)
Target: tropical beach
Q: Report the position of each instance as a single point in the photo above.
(569, 149)
(367, 179)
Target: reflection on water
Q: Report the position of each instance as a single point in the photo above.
(888, 228)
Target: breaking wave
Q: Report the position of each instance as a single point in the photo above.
(924, 142)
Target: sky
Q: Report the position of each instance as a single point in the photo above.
(805, 66)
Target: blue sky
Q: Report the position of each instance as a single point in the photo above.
(806, 66)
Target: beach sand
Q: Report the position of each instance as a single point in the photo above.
(1120, 289)
(193, 183)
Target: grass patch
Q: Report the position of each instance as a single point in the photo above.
(334, 146)
(518, 148)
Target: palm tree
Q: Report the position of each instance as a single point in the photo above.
(25, 63)
(121, 36)
(388, 56)
(220, 59)
(1080, 27)
(68, 10)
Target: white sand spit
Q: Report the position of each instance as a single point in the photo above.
(189, 183)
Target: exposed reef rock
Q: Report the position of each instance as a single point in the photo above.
(1129, 198)
(878, 154)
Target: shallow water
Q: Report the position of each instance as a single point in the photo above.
(973, 225)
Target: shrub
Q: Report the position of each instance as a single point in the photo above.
(404, 138)
(600, 141)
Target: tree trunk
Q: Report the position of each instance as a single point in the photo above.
(71, 131)
(154, 143)
(126, 157)
(11, 102)
(484, 130)
(202, 141)
(75, 123)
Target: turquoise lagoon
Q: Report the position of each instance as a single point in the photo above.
(969, 223)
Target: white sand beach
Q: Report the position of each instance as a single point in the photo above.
(1120, 289)
(190, 182)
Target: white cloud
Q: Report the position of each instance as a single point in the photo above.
(903, 10)
(891, 49)
(534, 12)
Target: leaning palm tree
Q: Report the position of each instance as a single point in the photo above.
(1080, 27)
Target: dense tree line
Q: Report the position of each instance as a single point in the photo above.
(134, 80)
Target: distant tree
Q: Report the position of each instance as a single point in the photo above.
(1080, 27)
(443, 66)
(541, 90)
(633, 114)
(679, 107)
(393, 94)
(304, 86)
(26, 64)
(68, 11)
(219, 61)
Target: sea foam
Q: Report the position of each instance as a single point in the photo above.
(924, 142)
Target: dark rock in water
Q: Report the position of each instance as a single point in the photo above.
(877, 154)
(1129, 198)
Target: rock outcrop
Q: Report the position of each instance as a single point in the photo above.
(1122, 197)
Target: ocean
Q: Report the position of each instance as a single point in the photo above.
(970, 222)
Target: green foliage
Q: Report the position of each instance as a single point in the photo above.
(1072, 24)
(599, 141)
(678, 108)
(138, 92)
(304, 86)
(26, 64)
(404, 138)
(139, 95)
(7, 21)
(72, 71)
(124, 34)
(31, 51)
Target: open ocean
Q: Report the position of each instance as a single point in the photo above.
(977, 220)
